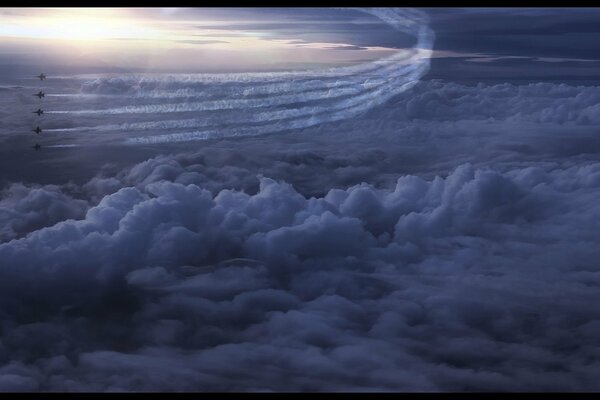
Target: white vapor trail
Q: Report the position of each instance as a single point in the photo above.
(231, 103)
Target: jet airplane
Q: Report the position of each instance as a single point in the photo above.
(36, 147)
(41, 76)
(38, 112)
(40, 94)
(37, 130)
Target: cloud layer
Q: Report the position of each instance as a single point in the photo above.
(445, 242)
(476, 281)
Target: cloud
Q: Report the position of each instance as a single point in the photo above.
(475, 281)
(444, 242)
(24, 209)
(201, 42)
(346, 47)
(535, 102)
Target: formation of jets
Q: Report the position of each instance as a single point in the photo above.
(39, 112)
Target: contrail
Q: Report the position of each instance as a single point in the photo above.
(344, 113)
(67, 129)
(228, 104)
(68, 95)
(153, 89)
(217, 104)
(352, 85)
(267, 116)
(279, 101)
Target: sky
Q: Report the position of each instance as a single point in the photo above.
(483, 43)
(517, 44)
(309, 200)
(180, 39)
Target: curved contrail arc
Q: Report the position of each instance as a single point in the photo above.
(279, 101)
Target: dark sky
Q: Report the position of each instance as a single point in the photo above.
(549, 44)
(472, 44)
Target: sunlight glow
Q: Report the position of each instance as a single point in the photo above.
(167, 38)
(78, 24)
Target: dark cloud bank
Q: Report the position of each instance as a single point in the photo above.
(176, 275)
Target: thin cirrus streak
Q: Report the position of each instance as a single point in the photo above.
(251, 104)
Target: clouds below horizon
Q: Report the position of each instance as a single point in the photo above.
(421, 286)
(445, 242)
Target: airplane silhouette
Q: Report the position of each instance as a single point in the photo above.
(40, 94)
(36, 147)
(41, 76)
(37, 130)
(39, 112)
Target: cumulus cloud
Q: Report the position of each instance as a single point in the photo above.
(24, 209)
(534, 102)
(479, 280)
(446, 241)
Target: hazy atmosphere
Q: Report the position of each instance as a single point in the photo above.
(312, 199)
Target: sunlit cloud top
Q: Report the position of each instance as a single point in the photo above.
(197, 39)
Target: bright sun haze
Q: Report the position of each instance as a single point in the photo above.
(173, 39)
